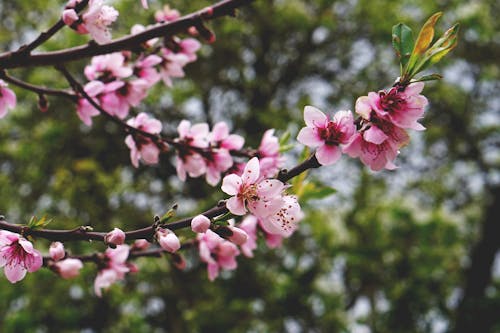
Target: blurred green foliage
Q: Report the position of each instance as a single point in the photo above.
(384, 252)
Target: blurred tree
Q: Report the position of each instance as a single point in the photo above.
(405, 251)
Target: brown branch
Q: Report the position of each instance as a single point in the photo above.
(129, 42)
(81, 233)
(37, 89)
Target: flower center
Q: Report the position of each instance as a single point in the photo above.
(331, 134)
(391, 101)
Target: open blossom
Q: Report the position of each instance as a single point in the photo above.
(167, 14)
(326, 134)
(140, 146)
(108, 67)
(401, 106)
(285, 221)
(168, 240)
(68, 268)
(56, 251)
(249, 225)
(7, 99)
(84, 109)
(217, 253)
(269, 154)
(17, 256)
(261, 197)
(218, 159)
(94, 21)
(189, 162)
(115, 268)
(97, 19)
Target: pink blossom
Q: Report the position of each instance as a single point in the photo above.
(144, 4)
(200, 223)
(219, 159)
(167, 14)
(326, 134)
(285, 221)
(84, 109)
(144, 69)
(97, 19)
(377, 143)
(17, 256)
(263, 197)
(7, 99)
(168, 240)
(56, 251)
(217, 253)
(238, 237)
(172, 66)
(220, 137)
(269, 155)
(115, 237)
(189, 162)
(140, 146)
(402, 106)
(68, 268)
(189, 47)
(108, 67)
(274, 241)
(115, 268)
(249, 225)
(140, 244)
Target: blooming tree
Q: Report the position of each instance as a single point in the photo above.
(260, 200)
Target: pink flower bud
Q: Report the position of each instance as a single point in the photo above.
(200, 224)
(140, 244)
(56, 251)
(68, 268)
(69, 16)
(167, 240)
(239, 236)
(115, 237)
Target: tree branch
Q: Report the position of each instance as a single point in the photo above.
(129, 42)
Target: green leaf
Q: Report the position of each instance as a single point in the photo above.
(35, 223)
(315, 190)
(430, 77)
(402, 40)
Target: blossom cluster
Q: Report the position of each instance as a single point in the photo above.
(376, 136)
(121, 80)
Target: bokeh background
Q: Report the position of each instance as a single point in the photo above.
(411, 250)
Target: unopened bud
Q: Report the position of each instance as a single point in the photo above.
(168, 240)
(68, 268)
(115, 237)
(200, 224)
(239, 236)
(56, 251)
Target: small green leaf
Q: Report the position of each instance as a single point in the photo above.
(35, 223)
(315, 190)
(168, 215)
(402, 40)
(430, 77)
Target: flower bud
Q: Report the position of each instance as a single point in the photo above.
(68, 268)
(56, 251)
(168, 240)
(200, 224)
(140, 244)
(239, 236)
(115, 237)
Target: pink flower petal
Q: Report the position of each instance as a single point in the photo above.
(231, 184)
(309, 136)
(251, 172)
(313, 117)
(328, 155)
